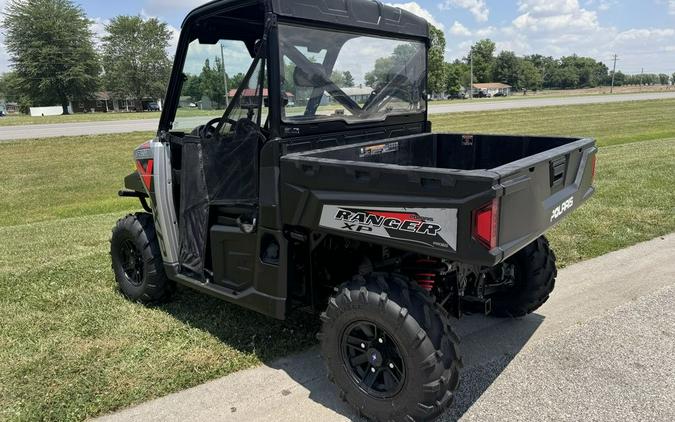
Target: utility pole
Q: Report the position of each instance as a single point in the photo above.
(642, 72)
(611, 90)
(222, 58)
(471, 84)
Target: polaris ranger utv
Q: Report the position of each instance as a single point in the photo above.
(321, 186)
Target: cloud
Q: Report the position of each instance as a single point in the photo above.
(605, 5)
(671, 7)
(554, 15)
(477, 8)
(459, 30)
(162, 6)
(486, 32)
(418, 10)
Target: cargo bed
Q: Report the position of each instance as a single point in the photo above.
(528, 183)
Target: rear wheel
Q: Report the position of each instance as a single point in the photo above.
(390, 349)
(535, 273)
(137, 261)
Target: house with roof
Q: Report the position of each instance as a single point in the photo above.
(492, 88)
(8, 107)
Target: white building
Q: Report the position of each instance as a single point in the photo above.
(492, 88)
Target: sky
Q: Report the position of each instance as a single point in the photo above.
(640, 32)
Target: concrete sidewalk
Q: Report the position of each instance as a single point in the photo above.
(602, 348)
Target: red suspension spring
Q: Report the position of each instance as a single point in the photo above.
(426, 278)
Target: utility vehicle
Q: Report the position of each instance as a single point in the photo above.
(319, 185)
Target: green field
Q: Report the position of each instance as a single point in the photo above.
(71, 347)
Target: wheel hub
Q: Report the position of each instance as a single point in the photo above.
(373, 359)
(132, 263)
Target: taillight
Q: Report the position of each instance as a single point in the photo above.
(593, 160)
(485, 224)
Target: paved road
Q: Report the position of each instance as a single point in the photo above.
(462, 106)
(602, 348)
(124, 126)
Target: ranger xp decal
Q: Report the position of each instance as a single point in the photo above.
(435, 227)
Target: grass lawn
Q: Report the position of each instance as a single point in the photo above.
(610, 124)
(71, 347)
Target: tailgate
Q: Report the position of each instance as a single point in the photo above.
(541, 190)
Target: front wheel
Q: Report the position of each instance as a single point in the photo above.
(390, 349)
(137, 261)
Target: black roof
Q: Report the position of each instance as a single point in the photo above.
(363, 14)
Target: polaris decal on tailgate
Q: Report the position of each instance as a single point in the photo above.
(435, 227)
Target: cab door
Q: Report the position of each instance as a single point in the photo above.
(219, 165)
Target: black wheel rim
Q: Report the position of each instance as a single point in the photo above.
(373, 359)
(132, 263)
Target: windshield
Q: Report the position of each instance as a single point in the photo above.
(212, 72)
(329, 75)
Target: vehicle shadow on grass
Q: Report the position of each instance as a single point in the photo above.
(241, 329)
(487, 346)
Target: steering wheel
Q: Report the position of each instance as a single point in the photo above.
(207, 130)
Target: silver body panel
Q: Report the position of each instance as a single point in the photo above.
(166, 222)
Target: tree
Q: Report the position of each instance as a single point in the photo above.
(483, 60)
(349, 79)
(506, 69)
(545, 65)
(529, 76)
(192, 87)
(663, 79)
(135, 60)
(51, 51)
(591, 73)
(8, 87)
(456, 77)
(619, 78)
(212, 83)
(672, 78)
(235, 81)
(436, 62)
(382, 72)
(565, 77)
(342, 79)
(338, 78)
